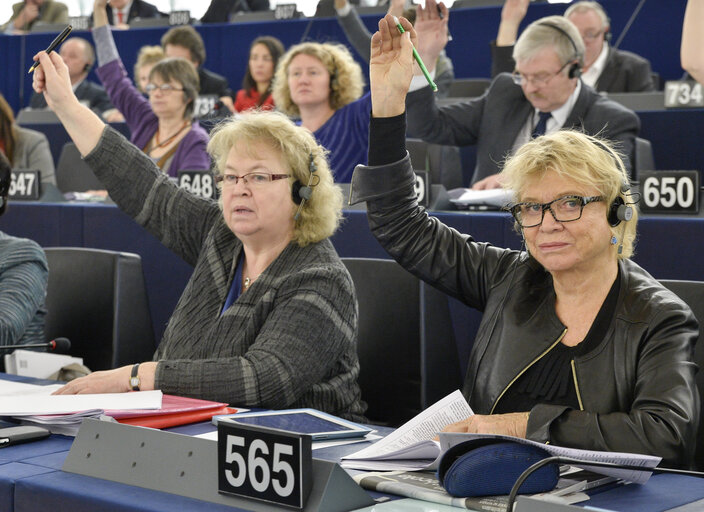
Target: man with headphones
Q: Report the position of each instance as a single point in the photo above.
(23, 277)
(606, 68)
(79, 56)
(544, 94)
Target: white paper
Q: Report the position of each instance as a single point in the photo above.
(450, 439)
(411, 446)
(40, 365)
(9, 388)
(20, 404)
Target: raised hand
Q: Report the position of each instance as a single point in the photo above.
(52, 79)
(391, 66)
(431, 28)
(512, 13)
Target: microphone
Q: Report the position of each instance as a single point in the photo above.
(60, 345)
(586, 463)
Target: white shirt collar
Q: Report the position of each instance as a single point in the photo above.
(591, 76)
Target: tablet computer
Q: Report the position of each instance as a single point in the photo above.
(312, 422)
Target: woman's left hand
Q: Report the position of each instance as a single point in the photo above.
(511, 424)
(110, 381)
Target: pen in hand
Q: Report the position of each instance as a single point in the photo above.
(56, 42)
(418, 60)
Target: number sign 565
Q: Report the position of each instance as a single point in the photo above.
(265, 464)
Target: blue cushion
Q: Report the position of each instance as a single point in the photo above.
(490, 467)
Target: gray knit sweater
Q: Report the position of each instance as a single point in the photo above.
(289, 341)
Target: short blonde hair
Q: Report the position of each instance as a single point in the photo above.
(582, 158)
(346, 79)
(148, 55)
(321, 214)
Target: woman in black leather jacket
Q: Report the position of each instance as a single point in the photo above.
(578, 345)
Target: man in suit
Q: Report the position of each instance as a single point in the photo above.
(543, 95)
(25, 14)
(121, 12)
(219, 11)
(185, 42)
(79, 56)
(606, 68)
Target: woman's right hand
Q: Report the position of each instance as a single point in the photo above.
(100, 13)
(391, 66)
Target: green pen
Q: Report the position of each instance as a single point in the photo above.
(418, 60)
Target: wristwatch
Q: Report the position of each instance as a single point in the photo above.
(134, 378)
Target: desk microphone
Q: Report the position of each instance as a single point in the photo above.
(60, 345)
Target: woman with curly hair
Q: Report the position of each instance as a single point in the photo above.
(321, 84)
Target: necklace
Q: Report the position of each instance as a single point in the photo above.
(168, 140)
(247, 282)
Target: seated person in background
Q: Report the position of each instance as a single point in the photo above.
(693, 40)
(219, 11)
(24, 148)
(25, 14)
(23, 277)
(321, 84)
(607, 69)
(268, 318)
(264, 55)
(79, 56)
(162, 126)
(185, 42)
(359, 37)
(545, 94)
(578, 345)
(147, 57)
(121, 12)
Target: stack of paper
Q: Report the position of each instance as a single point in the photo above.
(40, 365)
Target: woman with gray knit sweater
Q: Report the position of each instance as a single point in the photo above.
(268, 318)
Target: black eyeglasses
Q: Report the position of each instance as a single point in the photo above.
(253, 179)
(563, 209)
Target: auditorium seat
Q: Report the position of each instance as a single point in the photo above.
(644, 159)
(98, 300)
(468, 87)
(405, 342)
(73, 174)
(692, 292)
(443, 163)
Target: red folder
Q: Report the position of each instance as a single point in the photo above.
(175, 410)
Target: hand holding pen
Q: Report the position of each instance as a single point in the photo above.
(54, 44)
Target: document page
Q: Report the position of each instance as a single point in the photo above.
(414, 439)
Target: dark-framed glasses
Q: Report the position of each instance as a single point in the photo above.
(254, 179)
(150, 88)
(563, 209)
(538, 79)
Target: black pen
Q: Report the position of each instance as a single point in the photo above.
(56, 42)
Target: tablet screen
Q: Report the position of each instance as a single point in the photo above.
(303, 422)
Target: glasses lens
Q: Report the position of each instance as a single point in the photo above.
(567, 208)
(528, 214)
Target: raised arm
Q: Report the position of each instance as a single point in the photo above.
(432, 32)
(693, 40)
(512, 14)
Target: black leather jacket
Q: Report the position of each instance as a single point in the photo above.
(636, 388)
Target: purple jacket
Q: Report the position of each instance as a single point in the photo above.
(143, 123)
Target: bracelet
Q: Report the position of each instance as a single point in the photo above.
(134, 378)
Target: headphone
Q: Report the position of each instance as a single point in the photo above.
(301, 193)
(575, 70)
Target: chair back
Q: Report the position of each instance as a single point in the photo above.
(468, 87)
(98, 300)
(73, 174)
(692, 292)
(405, 343)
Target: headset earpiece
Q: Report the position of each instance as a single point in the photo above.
(619, 211)
(607, 35)
(300, 192)
(575, 70)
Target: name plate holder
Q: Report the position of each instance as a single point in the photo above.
(177, 464)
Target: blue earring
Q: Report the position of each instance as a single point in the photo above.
(614, 240)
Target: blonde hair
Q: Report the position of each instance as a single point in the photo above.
(321, 214)
(148, 55)
(581, 158)
(346, 79)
